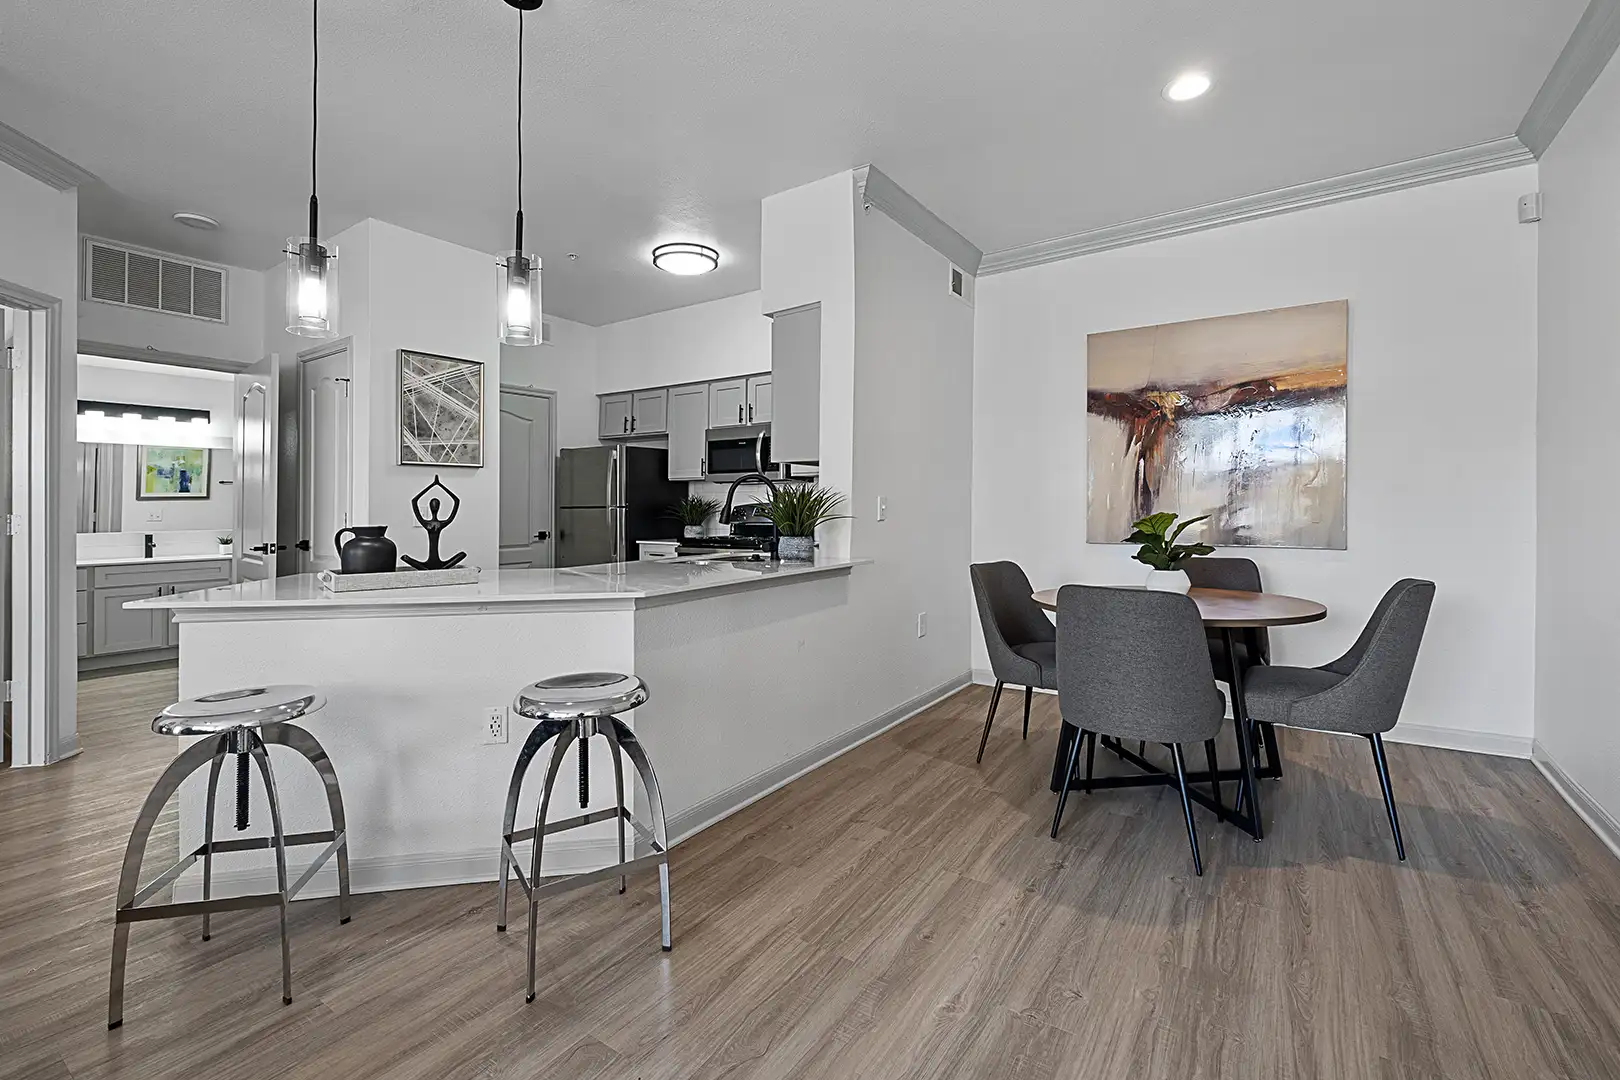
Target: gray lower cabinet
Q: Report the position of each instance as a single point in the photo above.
(115, 629)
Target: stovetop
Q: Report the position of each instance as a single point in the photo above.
(741, 543)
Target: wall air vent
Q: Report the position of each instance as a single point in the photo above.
(152, 280)
(961, 285)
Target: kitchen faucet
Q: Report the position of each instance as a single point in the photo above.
(750, 478)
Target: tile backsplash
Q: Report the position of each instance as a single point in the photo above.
(130, 544)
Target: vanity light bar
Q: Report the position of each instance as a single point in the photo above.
(125, 410)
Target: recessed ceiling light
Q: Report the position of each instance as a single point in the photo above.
(1186, 86)
(685, 259)
(196, 221)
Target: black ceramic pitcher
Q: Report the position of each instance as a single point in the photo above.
(368, 551)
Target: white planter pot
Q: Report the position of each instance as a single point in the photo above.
(224, 549)
(691, 532)
(1169, 581)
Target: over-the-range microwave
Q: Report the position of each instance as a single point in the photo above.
(737, 451)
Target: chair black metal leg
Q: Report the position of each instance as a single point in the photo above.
(995, 699)
(1186, 807)
(1029, 693)
(1268, 737)
(1389, 796)
(1068, 778)
(1091, 757)
(1214, 777)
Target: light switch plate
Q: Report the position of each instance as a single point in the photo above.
(883, 508)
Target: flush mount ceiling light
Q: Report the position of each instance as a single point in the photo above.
(309, 281)
(685, 259)
(196, 221)
(1186, 86)
(519, 283)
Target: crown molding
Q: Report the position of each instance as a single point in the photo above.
(876, 189)
(1585, 55)
(1467, 161)
(40, 161)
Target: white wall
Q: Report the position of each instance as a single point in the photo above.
(1578, 599)
(39, 237)
(150, 384)
(1442, 386)
(713, 340)
(404, 290)
(240, 338)
(566, 366)
(913, 411)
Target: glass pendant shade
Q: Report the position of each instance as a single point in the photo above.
(519, 298)
(310, 287)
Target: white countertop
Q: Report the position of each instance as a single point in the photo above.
(131, 560)
(616, 585)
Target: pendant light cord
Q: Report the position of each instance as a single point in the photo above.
(519, 245)
(315, 112)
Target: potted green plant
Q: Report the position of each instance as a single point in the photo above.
(693, 513)
(224, 544)
(797, 510)
(1166, 558)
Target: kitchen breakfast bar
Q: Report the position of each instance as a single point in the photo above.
(418, 684)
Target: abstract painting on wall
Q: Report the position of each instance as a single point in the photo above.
(1240, 417)
(441, 410)
(171, 472)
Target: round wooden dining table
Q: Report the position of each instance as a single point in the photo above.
(1228, 611)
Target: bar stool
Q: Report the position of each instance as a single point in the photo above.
(244, 723)
(573, 708)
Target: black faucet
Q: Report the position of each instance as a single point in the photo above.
(751, 478)
(151, 545)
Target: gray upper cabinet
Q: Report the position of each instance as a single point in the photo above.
(796, 371)
(615, 416)
(648, 409)
(688, 431)
(759, 399)
(728, 403)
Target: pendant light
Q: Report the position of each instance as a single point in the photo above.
(310, 283)
(519, 286)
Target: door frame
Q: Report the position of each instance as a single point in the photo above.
(43, 699)
(550, 396)
(305, 478)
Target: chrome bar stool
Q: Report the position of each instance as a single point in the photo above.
(243, 723)
(574, 708)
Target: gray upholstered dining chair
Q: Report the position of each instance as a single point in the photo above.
(1132, 663)
(1361, 692)
(1253, 643)
(1018, 635)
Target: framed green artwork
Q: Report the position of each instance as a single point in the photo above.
(171, 472)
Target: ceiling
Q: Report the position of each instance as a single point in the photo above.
(656, 120)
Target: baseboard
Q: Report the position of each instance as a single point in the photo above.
(115, 661)
(696, 818)
(1599, 820)
(1473, 742)
(390, 873)
(986, 677)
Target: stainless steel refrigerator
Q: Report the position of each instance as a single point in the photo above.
(610, 497)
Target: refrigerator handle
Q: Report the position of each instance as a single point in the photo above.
(612, 499)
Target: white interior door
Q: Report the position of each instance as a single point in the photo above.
(256, 394)
(325, 456)
(6, 353)
(528, 471)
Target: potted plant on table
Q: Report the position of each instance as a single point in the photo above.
(797, 510)
(693, 513)
(224, 544)
(1167, 559)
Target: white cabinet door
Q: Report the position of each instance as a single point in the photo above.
(759, 399)
(115, 630)
(796, 364)
(728, 403)
(615, 417)
(688, 431)
(648, 412)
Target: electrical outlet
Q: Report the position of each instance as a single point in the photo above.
(883, 508)
(493, 728)
(922, 624)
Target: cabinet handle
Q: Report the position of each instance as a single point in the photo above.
(632, 423)
(626, 426)
(739, 414)
(750, 414)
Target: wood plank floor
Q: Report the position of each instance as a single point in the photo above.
(898, 913)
